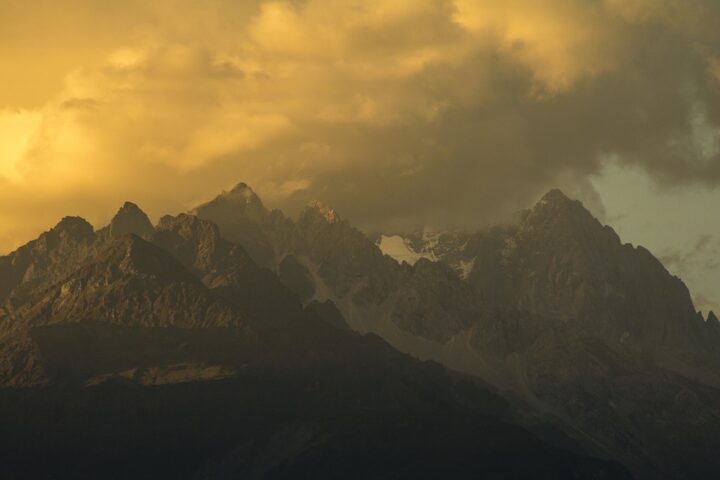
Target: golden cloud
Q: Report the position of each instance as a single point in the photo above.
(399, 113)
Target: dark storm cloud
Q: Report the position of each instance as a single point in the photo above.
(398, 113)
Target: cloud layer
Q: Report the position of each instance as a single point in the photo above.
(398, 113)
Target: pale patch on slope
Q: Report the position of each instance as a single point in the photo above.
(464, 267)
(398, 248)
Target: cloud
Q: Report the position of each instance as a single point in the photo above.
(698, 265)
(397, 113)
(700, 256)
(706, 305)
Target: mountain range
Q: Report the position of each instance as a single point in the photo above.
(235, 342)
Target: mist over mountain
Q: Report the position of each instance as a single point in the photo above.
(235, 341)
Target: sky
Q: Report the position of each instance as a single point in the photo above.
(400, 114)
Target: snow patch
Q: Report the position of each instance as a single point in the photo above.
(398, 248)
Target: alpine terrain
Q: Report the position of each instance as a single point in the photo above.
(235, 342)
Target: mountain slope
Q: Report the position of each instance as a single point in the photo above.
(42, 261)
(560, 262)
(554, 309)
(75, 330)
(243, 219)
(132, 367)
(129, 219)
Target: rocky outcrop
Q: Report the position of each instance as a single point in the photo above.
(130, 219)
(131, 283)
(197, 244)
(713, 328)
(430, 301)
(104, 317)
(45, 260)
(560, 262)
(347, 261)
(243, 219)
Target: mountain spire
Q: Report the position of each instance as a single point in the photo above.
(130, 219)
(76, 227)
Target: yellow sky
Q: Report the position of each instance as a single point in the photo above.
(400, 113)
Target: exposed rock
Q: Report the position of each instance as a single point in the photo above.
(560, 262)
(347, 260)
(433, 303)
(130, 219)
(243, 219)
(39, 263)
(198, 245)
(713, 328)
(132, 283)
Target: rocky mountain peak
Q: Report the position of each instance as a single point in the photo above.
(74, 227)
(164, 221)
(317, 208)
(554, 195)
(244, 189)
(43, 261)
(563, 263)
(712, 318)
(130, 219)
(241, 200)
(243, 219)
(242, 194)
(562, 221)
(556, 204)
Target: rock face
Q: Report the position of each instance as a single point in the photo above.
(41, 262)
(200, 248)
(430, 302)
(130, 219)
(713, 328)
(243, 219)
(130, 285)
(69, 245)
(561, 263)
(131, 282)
(345, 259)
